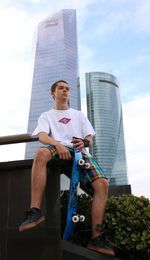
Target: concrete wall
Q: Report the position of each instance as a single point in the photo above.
(42, 242)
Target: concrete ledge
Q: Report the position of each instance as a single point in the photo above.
(72, 251)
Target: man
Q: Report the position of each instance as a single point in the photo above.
(56, 130)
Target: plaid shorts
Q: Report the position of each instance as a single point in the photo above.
(87, 176)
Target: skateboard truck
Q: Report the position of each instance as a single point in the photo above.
(78, 218)
(84, 164)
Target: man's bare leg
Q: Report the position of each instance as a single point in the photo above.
(97, 243)
(100, 187)
(33, 217)
(38, 176)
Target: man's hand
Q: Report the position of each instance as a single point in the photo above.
(78, 143)
(63, 152)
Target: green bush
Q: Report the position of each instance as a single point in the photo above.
(126, 223)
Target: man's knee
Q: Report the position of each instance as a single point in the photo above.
(42, 155)
(101, 185)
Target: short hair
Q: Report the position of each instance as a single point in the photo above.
(54, 85)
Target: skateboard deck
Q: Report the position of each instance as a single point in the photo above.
(73, 196)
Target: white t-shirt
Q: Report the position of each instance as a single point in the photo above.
(63, 125)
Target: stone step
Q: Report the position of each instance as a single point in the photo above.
(72, 251)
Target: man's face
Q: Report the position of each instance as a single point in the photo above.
(61, 92)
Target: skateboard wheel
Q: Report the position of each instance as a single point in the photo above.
(82, 218)
(81, 162)
(75, 218)
(87, 166)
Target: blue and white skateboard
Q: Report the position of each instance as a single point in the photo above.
(72, 216)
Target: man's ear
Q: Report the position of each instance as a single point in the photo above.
(52, 94)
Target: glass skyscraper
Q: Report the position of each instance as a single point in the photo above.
(56, 58)
(105, 113)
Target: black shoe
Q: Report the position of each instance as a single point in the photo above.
(100, 245)
(33, 217)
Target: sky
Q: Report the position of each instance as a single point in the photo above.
(113, 37)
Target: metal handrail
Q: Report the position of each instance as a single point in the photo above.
(21, 138)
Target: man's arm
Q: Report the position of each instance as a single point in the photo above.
(90, 139)
(81, 143)
(62, 151)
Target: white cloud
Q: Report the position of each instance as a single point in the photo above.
(16, 66)
(137, 129)
(116, 17)
(141, 19)
(12, 152)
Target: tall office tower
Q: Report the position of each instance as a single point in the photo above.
(56, 58)
(105, 113)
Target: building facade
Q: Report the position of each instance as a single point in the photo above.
(105, 113)
(56, 58)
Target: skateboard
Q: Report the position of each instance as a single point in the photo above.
(72, 216)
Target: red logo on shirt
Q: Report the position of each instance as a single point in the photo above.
(64, 120)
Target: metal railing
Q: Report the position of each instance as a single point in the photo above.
(21, 138)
